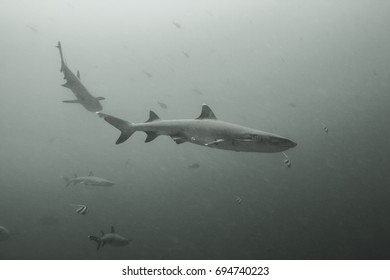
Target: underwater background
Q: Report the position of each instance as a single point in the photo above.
(286, 67)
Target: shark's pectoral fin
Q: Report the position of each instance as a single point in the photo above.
(67, 85)
(179, 139)
(151, 136)
(215, 142)
(100, 98)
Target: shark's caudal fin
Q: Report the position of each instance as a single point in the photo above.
(125, 127)
(67, 180)
(96, 239)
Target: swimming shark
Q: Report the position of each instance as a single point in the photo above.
(73, 82)
(89, 180)
(206, 130)
(111, 238)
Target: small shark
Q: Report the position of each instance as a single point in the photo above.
(111, 238)
(89, 180)
(83, 96)
(206, 131)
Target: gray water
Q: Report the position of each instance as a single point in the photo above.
(280, 66)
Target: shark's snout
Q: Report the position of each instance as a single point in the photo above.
(284, 142)
(293, 144)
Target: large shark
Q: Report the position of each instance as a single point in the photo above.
(83, 96)
(111, 238)
(89, 180)
(205, 130)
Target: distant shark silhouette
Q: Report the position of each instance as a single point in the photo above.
(88, 180)
(111, 238)
(206, 130)
(83, 96)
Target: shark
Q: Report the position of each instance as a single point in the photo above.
(206, 130)
(73, 83)
(111, 238)
(89, 180)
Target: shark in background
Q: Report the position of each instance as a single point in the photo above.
(112, 238)
(73, 82)
(206, 130)
(89, 180)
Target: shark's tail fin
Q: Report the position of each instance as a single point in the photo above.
(96, 239)
(125, 127)
(67, 180)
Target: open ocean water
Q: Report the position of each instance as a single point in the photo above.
(286, 67)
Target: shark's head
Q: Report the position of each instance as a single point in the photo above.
(281, 142)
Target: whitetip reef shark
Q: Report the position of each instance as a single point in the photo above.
(73, 82)
(89, 180)
(206, 130)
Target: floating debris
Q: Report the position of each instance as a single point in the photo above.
(238, 199)
(162, 104)
(176, 24)
(325, 127)
(148, 74)
(186, 55)
(292, 104)
(81, 209)
(33, 27)
(197, 91)
(194, 165)
(286, 161)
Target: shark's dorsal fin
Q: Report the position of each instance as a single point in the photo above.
(152, 117)
(90, 173)
(78, 74)
(151, 136)
(112, 229)
(102, 232)
(75, 175)
(206, 113)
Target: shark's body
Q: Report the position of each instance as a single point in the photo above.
(111, 238)
(206, 130)
(88, 180)
(73, 82)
